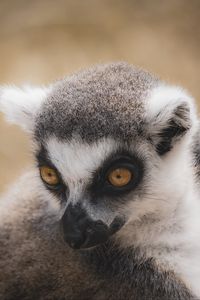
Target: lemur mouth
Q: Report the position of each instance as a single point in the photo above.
(79, 231)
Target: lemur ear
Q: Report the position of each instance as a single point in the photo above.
(172, 114)
(20, 105)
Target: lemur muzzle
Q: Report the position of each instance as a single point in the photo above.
(80, 231)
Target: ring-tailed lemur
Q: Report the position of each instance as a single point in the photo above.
(111, 209)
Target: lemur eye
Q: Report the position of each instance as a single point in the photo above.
(120, 177)
(49, 175)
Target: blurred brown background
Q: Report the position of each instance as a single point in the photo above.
(41, 40)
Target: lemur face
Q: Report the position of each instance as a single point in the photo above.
(104, 138)
(94, 183)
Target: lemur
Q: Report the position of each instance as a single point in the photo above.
(111, 208)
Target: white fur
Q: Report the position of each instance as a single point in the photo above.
(21, 104)
(165, 98)
(77, 161)
(161, 104)
(165, 221)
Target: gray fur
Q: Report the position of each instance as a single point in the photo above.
(109, 97)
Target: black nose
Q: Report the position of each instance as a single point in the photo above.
(80, 231)
(73, 234)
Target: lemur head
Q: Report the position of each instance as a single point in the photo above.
(110, 142)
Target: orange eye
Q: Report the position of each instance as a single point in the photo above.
(49, 175)
(120, 177)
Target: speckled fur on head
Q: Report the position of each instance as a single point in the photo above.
(103, 101)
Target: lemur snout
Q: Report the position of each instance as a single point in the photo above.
(80, 231)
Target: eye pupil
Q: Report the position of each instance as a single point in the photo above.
(120, 177)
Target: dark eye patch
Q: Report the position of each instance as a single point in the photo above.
(44, 160)
(121, 159)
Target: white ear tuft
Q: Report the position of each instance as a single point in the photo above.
(166, 98)
(20, 105)
(170, 114)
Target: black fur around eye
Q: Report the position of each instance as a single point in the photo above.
(110, 188)
(55, 183)
(120, 174)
